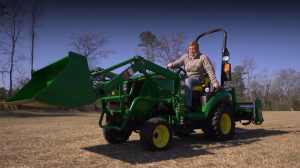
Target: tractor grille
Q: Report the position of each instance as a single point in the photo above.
(114, 104)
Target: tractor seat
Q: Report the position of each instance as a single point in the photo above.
(206, 83)
(197, 88)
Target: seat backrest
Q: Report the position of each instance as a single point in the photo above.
(207, 79)
(206, 82)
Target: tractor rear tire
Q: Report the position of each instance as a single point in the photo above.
(156, 135)
(221, 125)
(114, 136)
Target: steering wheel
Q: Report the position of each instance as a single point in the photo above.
(180, 69)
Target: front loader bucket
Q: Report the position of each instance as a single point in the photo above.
(66, 82)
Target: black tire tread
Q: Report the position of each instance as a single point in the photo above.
(110, 138)
(147, 134)
(212, 130)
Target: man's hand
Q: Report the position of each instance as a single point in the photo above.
(216, 86)
(170, 65)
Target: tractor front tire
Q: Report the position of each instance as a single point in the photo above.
(156, 135)
(114, 136)
(221, 125)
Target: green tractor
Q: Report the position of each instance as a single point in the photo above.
(150, 103)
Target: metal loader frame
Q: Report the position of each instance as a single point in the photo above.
(138, 64)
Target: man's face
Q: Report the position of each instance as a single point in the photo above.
(193, 50)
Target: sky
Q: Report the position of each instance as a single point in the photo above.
(265, 30)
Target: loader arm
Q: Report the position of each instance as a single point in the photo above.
(138, 64)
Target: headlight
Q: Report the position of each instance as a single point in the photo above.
(206, 89)
(225, 58)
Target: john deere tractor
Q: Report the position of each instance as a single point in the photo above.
(149, 103)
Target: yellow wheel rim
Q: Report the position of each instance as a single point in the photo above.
(161, 136)
(225, 124)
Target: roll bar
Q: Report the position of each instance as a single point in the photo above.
(225, 52)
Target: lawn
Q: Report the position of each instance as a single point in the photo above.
(74, 139)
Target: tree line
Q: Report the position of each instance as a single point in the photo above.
(279, 90)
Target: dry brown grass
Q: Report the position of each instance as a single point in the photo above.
(73, 139)
(7, 107)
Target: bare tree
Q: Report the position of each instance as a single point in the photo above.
(3, 93)
(249, 65)
(12, 23)
(36, 13)
(21, 79)
(284, 89)
(170, 47)
(276, 91)
(91, 46)
(296, 100)
(289, 81)
(2, 77)
(260, 86)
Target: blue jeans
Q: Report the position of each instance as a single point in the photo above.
(190, 83)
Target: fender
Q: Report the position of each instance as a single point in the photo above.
(221, 96)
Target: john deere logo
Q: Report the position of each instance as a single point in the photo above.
(143, 61)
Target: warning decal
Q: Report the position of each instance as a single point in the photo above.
(129, 72)
(182, 92)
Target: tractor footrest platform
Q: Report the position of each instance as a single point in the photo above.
(194, 116)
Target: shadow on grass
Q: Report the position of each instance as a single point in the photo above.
(38, 114)
(184, 147)
(132, 152)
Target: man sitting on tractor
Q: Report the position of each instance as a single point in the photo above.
(195, 64)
